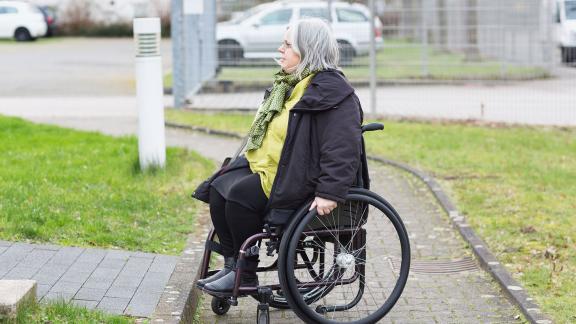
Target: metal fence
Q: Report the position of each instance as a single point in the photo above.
(431, 40)
(423, 43)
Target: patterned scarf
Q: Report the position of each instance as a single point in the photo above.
(271, 106)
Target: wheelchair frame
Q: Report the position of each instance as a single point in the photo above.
(281, 241)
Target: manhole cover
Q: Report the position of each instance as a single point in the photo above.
(439, 266)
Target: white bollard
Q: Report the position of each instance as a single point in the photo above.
(149, 93)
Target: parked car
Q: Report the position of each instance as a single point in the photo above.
(21, 20)
(257, 32)
(50, 17)
(565, 11)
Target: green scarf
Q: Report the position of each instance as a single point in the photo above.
(271, 106)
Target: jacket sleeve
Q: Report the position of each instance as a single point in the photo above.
(340, 142)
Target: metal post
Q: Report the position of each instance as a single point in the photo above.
(330, 11)
(372, 60)
(178, 54)
(193, 10)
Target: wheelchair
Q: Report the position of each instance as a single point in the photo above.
(350, 266)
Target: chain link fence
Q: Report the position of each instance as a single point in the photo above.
(443, 53)
(417, 40)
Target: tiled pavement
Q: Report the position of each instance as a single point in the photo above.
(115, 281)
(469, 296)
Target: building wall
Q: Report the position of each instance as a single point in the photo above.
(108, 11)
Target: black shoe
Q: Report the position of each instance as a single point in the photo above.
(229, 264)
(249, 278)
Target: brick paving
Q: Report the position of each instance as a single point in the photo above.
(469, 296)
(115, 281)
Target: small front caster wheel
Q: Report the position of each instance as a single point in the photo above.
(220, 306)
(263, 316)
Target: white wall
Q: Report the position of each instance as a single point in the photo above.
(110, 11)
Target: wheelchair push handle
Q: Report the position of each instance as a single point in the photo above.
(372, 127)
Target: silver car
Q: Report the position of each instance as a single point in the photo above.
(257, 32)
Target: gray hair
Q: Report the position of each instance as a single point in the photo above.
(313, 40)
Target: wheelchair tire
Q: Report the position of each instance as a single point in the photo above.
(219, 306)
(262, 316)
(386, 254)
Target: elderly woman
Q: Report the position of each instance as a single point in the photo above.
(304, 143)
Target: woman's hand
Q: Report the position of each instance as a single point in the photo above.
(323, 206)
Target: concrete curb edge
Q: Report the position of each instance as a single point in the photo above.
(486, 258)
(180, 299)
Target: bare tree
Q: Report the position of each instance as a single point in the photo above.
(162, 10)
(443, 26)
(471, 50)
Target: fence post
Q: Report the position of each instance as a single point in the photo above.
(178, 54)
(372, 60)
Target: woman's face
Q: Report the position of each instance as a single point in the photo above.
(289, 59)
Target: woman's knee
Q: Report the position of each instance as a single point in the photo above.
(248, 193)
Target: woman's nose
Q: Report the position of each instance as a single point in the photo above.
(281, 49)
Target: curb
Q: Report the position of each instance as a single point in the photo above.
(487, 260)
(230, 86)
(180, 299)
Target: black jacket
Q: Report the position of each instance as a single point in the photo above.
(321, 153)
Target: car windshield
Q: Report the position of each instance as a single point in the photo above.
(570, 10)
(246, 14)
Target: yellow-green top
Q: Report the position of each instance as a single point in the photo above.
(265, 159)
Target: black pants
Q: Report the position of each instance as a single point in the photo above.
(240, 215)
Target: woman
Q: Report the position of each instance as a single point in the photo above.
(305, 142)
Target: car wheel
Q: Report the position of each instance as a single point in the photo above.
(347, 52)
(22, 35)
(229, 52)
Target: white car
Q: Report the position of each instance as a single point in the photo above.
(565, 12)
(21, 20)
(258, 32)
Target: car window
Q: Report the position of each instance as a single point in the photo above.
(278, 17)
(247, 14)
(350, 15)
(314, 12)
(8, 10)
(570, 7)
(34, 9)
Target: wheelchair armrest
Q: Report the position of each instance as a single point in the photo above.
(372, 127)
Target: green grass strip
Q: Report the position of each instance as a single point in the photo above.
(61, 312)
(515, 185)
(85, 189)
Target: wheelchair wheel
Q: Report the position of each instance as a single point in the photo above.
(219, 306)
(365, 263)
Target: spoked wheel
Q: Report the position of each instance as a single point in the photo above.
(219, 306)
(309, 257)
(365, 266)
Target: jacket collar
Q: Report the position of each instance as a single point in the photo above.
(326, 90)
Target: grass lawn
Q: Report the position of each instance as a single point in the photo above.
(515, 185)
(61, 312)
(399, 60)
(85, 189)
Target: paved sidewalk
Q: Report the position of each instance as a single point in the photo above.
(446, 284)
(115, 281)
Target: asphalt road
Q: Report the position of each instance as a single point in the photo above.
(40, 78)
(71, 67)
